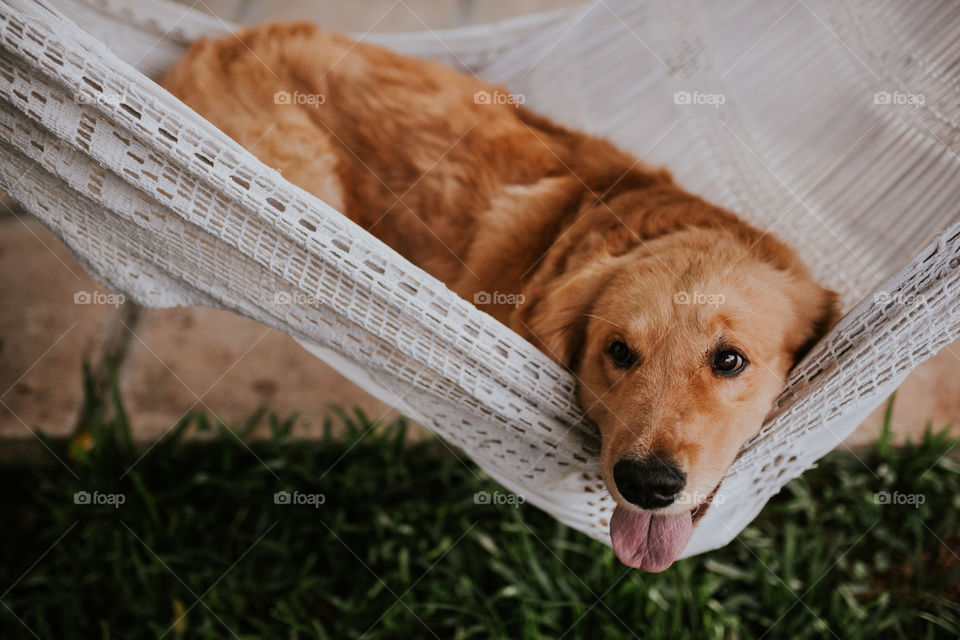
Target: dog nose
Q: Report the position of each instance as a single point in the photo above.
(649, 484)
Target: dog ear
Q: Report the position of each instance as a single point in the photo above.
(822, 311)
(554, 316)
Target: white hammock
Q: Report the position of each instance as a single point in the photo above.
(160, 205)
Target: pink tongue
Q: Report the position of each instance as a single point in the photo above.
(650, 542)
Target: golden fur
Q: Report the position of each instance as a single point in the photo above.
(491, 197)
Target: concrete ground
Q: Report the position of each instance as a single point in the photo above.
(171, 361)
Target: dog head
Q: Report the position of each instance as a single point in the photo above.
(681, 327)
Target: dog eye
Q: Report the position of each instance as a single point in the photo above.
(728, 362)
(621, 355)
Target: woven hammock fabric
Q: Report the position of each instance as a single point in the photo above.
(775, 111)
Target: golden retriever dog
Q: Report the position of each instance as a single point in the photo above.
(679, 321)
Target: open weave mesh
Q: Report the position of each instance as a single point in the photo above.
(775, 112)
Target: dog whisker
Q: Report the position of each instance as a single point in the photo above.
(590, 315)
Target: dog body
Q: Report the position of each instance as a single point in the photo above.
(679, 320)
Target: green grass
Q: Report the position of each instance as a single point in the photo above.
(399, 549)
